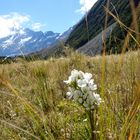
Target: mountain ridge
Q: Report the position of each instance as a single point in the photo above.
(29, 41)
(98, 19)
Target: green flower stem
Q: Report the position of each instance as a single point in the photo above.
(92, 124)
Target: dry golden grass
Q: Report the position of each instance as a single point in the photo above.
(33, 104)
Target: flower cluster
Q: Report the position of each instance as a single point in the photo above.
(82, 89)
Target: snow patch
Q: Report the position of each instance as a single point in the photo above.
(8, 42)
(22, 41)
(53, 36)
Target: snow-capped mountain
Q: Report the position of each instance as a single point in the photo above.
(26, 41)
(66, 34)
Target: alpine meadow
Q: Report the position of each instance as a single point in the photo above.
(83, 84)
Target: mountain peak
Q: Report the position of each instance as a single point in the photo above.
(50, 33)
(26, 41)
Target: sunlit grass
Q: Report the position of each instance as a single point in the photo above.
(33, 103)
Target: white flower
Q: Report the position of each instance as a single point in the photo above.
(69, 95)
(85, 89)
(93, 87)
(87, 76)
(68, 81)
(91, 82)
(80, 100)
(85, 120)
(97, 98)
(75, 72)
(85, 104)
(75, 75)
(82, 90)
(82, 83)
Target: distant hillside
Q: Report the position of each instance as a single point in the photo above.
(96, 19)
(54, 50)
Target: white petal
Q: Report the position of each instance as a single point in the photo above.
(87, 76)
(85, 105)
(85, 120)
(93, 87)
(69, 95)
(82, 83)
(91, 82)
(80, 100)
(69, 80)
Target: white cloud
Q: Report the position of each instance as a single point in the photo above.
(11, 23)
(86, 5)
(15, 22)
(37, 26)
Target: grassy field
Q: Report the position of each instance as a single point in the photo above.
(33, 103)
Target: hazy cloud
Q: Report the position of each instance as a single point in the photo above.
(37, 26)
(13, 22)
(85, 5)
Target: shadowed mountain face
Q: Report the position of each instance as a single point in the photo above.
(95, 22)
(96, 28)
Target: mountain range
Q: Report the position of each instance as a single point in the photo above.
(98, 28)
(27, 41)
(86, 36)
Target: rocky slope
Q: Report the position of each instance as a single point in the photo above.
(95, 22)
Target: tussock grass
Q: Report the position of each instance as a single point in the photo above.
(33, 103)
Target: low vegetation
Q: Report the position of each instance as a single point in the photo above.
(33, 102)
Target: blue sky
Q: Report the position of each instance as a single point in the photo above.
(45, 15)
